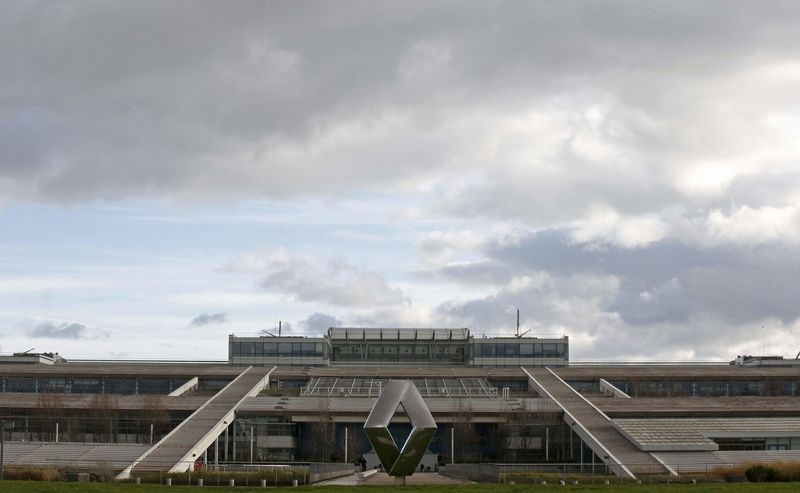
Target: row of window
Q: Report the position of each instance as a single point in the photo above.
(521, 350)
(771, 443)
(708, 388)
(412, 353)
(283, 349)
(128, 386)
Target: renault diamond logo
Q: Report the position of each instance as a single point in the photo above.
(400, 462)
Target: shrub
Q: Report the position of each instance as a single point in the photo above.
(31, 474)
(283, 477)
(761, 473)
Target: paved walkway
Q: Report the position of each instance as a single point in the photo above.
(419, 478)
(381, 478)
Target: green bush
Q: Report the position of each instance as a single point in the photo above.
(31, 474)
(761, 473)
(284, 477)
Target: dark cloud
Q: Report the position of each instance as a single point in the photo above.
(64, 330)
(609, 133)
(332, 281)
(679, 297)
(109, 101)
(319, 323)
(208, 319)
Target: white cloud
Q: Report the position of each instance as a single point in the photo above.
(603, 225)
(332, 281)
(754, 226)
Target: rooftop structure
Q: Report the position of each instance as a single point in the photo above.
(350, 346)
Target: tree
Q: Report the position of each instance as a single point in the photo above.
(153, 413)
(104, 413)
(321, 431)
(49, 411)
(463, 430)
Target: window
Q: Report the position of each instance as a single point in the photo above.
(85, 386)
(154, 386)
(21, 384)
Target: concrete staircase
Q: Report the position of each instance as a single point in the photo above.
(178, 451)
(594, 427)
(74, 455)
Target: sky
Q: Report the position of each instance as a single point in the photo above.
(625, 173)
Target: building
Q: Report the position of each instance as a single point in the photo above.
(496, 400)
(364, 347)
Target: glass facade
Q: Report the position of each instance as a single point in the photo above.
(708, 388)
(515, 352)
(379, 346)
(89, 385)
(277, 349)
(377, 352)
(521, 349)
(283, 351)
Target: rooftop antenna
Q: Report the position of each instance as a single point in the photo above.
(518, 335)
(279, 328)
(29, 350)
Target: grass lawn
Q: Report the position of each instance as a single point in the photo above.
(57, 487)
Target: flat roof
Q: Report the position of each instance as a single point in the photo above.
(187, 402)
(688, 372)
(666, 434)
(397, 334)
(398, 372)
(698, 406)
(124, 369)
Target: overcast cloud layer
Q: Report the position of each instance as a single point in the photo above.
(622, 172)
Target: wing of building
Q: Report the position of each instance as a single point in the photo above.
(496, 401)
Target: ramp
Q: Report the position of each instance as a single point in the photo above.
(178, 451)
(594, 427)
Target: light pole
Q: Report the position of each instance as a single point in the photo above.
(226, 441)
(2, 445)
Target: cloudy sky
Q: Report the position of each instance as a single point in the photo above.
(625, 173)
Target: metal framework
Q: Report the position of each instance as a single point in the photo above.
(372, 387)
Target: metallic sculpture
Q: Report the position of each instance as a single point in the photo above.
(402, 462)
